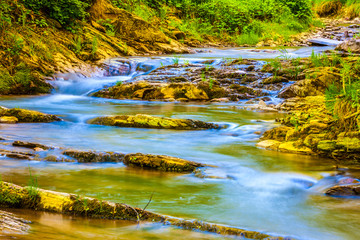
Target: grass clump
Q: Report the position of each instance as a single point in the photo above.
(343, 97)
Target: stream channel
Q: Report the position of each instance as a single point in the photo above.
(262, 190)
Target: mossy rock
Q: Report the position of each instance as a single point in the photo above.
(12, 195)
(351, 144)
(147, 121)
(326, 145)
(278, 133)
(292, 147)
(183, 90)
(91, 156)
(161, 162)
(8, 119)
(312, 140)
(29, 116)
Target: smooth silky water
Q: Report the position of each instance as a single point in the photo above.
(262, 190)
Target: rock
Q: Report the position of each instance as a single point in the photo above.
(270, 144)
(292, 135)
(349, 143)
(30, 145)
(220, 100)
(91, 156)
(292, 147)
(312, 140)
(273, 79)
(278, 133)
(344, 190)
(17, 155)
(146, 91)
(262, 104)
(147, 121)
(313, 86)
(326, 145)
(9, 223)
(353, 45)
(161, 162)
(324, 42)
(8, 120)
(28, 115)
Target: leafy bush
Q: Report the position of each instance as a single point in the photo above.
(64, 11)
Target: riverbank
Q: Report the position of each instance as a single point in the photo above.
(38, 41)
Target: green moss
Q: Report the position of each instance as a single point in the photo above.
(147, 121)
(161, 162)
(326, 145)
(24, 115)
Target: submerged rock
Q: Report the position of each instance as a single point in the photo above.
(91, 156)
(30, 145)
(16, 154)
(9, 224)
(161, 162)
(23, 115)
(147, 121)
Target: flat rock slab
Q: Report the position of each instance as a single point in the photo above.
(161, 162)
(147, 121)
(324, 42)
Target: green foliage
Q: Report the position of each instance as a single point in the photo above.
(94, 45)
(64, 11)
(343, 98)
(77, 44)
(246, 21)
(110, 28)
(16, 44)
(175, 60)
(21, 81)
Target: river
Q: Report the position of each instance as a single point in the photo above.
(257, 189)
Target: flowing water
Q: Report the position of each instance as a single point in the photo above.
(257, 190)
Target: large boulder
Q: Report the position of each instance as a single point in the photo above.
(147, 121)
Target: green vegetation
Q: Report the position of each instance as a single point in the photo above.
(64, 11)
(347, 8)
(240, 21)
(343, 98)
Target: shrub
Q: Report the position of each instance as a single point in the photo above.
(64, 11)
